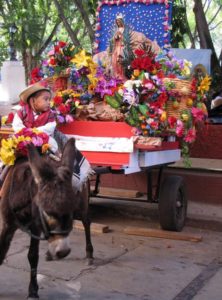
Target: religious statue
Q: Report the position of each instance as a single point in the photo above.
(122, 45)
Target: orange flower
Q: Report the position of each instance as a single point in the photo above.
(45, 148)
(136, 72)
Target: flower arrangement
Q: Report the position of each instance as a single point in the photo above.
(160, 98)
(59, 59)
(158, 103)
(172, 66)
(16, 145)
(64, 103)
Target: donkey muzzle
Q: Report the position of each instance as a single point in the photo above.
(58, 248)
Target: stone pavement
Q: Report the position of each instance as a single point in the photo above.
(125, 267)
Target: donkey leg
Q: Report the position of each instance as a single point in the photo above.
(33, 257)
(6, 236)
(89, 247)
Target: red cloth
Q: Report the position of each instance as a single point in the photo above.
(27, 116)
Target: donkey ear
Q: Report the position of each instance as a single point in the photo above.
(69, 154)
(35, 162)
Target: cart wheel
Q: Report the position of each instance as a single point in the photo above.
(172, 204)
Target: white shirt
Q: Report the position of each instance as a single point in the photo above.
(48, 128)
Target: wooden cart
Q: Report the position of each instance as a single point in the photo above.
(95, 140)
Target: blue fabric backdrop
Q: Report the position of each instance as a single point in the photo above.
(147, 19)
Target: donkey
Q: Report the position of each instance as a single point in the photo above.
(38, 198)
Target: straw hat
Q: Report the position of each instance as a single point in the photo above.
(31, 89)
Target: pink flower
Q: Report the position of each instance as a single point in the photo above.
(197, 113)
(190, 136)
(37, 141)
(179, 128)
(68, 118)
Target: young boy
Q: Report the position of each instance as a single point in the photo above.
(36, 112)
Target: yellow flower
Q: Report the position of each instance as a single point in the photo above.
(91, 88)
(204, 84)
(23, 138)
(35, 130)
(81, 59)
(92, 79)
(8, 144)
(76, 95)
(4, 119)
(7, 156)
(92, 66)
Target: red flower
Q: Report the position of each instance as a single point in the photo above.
(35, 75)
(163, 97)
(57, 100)
(139, 52)
(63, 109)
(57, 49)
(160, 74)
(158, 65)
(154, 125)
(62, 44)
(52, 61)
(172, 121)
(10, 118)
(171, 75)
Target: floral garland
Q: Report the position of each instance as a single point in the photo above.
(16, 145)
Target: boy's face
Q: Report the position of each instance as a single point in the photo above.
(41, 102)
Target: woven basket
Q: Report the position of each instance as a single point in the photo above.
(182, 87)
(57, 84)
(175, 112)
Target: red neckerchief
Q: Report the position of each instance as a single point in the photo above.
(27, 116)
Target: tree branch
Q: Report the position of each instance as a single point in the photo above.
(85, 17)
(66, 24)
(214, 17)
(48, 40)
(212, 28)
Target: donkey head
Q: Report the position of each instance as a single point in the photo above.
(54, 200)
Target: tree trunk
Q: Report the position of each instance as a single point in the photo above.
(66, 24)
(204, 34)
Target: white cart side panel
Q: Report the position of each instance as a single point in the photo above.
(133, 166)
(152, 158)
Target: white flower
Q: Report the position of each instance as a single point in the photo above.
(120, 91)
(129, 84)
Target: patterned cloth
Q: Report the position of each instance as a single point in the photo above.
(82, 169)
(26, 114)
